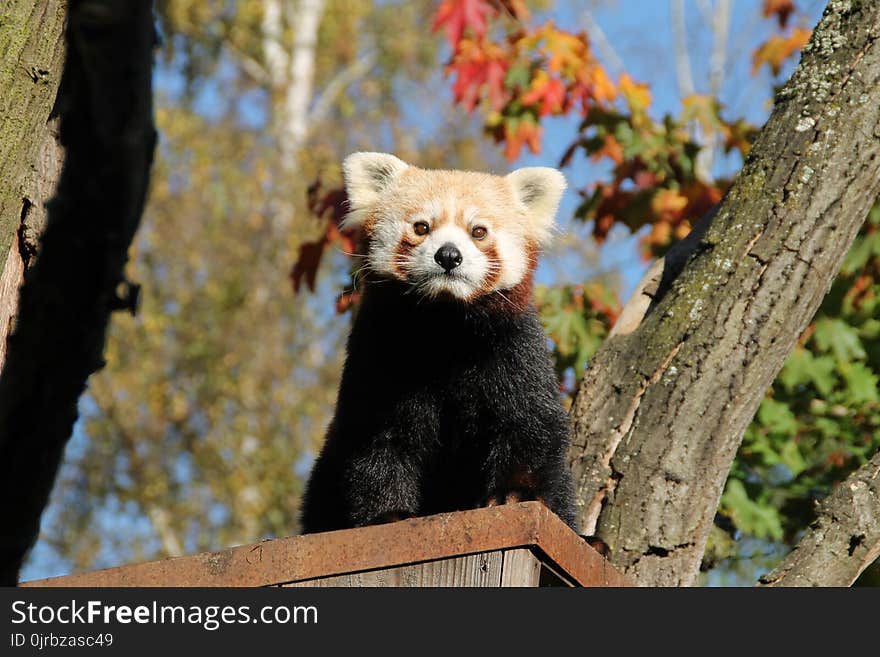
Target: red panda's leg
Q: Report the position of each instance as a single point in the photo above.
(383, 485)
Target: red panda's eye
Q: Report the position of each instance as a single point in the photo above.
(421, 228)
(478, 232)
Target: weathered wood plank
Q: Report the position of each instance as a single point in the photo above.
(473, 571)
(520, 568)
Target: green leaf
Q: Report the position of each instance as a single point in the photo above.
(790, 456)
(754, 518)
(803, 368)
(861, 383)
(837, 336)
(860, 252)
(517, 76)
(777, 417)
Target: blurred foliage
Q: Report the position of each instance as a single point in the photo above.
(200, 430)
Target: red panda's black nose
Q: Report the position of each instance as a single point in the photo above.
(448, 256)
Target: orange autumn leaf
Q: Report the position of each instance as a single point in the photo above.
(566, 53)
(519, 133)
(592, 87)
(660, 236)
(778, 48)
(604, 89)
(704, 109)
(701, 198)
(636, 94)
(682, 230)
(611, 148)
(668, 204)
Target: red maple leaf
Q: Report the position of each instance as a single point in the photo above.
(476, 65)
(454, 16)
(782, 9)
(330, 205)
(307, 262)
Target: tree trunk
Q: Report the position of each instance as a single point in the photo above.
(662, 408)
(30, 70)
(843, 540)
(291, 73)
(105, 104)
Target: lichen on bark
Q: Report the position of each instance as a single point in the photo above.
(662, 409)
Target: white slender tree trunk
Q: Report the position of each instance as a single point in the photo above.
(305, 21)
(290, 63)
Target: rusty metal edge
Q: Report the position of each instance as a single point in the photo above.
(285, 560)
(574, 556)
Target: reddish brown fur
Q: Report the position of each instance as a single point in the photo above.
(520, 295)
(494, 272)
(404, 249)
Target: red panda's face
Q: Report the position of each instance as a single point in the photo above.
(457, 233)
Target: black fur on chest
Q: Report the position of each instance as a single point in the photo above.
(443, 405)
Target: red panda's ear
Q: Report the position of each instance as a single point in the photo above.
(539, 189)
(366, 176)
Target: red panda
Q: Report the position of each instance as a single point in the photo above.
(448, 398)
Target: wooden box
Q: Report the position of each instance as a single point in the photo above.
(513, 545)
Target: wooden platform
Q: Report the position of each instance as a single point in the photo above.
(513, 545)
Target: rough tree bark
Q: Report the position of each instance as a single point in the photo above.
(105, 104)
(842, 541)
(30, 157)
(663, 406)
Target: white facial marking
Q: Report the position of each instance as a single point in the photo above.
(383, 256)
(463, 280)
(514, 259)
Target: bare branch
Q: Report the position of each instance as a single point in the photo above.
(273, 50)
(252, 67)
(720, 32)
(603, 45)
(706, 11)
(348, 75)
(679, 42)
(161, 521)
(658, 278)
(843, 540)
(305, 21)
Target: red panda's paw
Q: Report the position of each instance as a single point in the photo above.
(512, 497)
(390, 516)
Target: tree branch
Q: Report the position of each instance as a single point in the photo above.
(338, 83)
(679, 43)
(273, 51)
(105, 102)
(662, 409)
(603, 45)
(842, 541)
